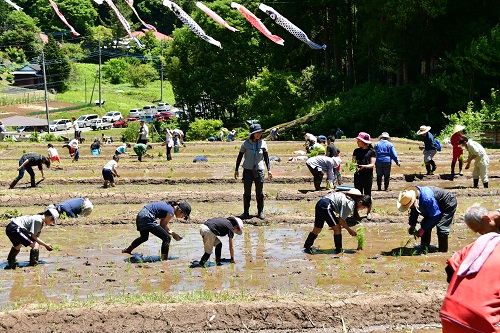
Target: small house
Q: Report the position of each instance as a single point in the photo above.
(30, 76)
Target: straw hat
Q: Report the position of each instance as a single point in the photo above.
(458, 128)
(365, 137)
(407, 198)
(423, 129)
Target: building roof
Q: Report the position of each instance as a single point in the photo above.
(158, 35)
(23, 121)
(28, 69)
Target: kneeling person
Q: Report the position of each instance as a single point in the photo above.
(215, 227)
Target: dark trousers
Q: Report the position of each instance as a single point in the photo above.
(159, 232)
(28, 169)
(383, 171)
(363, 183)
(250, 177)
(169, 153)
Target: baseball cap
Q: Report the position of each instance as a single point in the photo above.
(186, 209)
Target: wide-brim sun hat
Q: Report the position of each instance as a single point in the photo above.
(353, 191)
(458, 128)
(385, 135)
(255, 128)
(423, 129)
(239, 221)
(407, 198)
(186, 209)
(365, 137)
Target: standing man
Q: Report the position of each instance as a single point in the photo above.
(477, 153)
(385, 153)
(78, 133)
(143, 133)
(429, 148)
(169, 143)
(436, 205)
(457, 150)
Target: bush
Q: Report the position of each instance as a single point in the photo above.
(141, 75)
(52, 137)
(131, 134)
(115, 70)
(201, 129)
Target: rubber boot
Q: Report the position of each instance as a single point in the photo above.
(164, 256)
(460, 165)
(317, 185)
(379, 184)
(443, 243)
(246, 207)
(204, 259)
(433, 165)
(11, 258)
(218, 252)
(13, 184)
(453, 170)
(485, 185)
(33, 182)
(476, 183)
(425, 240)
(309, 242)
(34, 254)
(337, 240)
(260, 208)
(428, 168)
(128, 250)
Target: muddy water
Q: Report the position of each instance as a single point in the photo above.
(88, 264)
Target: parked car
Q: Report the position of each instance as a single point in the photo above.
(147, 118)
(112, 116)
(98, 124)
(149, 109)
(60, 125)
(39, 129)
(124, 122)
(163, 107)
(86, 119)
(164, 115)
(136, 113)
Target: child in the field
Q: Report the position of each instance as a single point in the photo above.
(109, 170)
(53, 154)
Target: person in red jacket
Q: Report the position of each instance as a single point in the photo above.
(457, 150)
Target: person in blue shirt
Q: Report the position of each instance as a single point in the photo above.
(429, 148)
(385, 153)
(74, 207)
(436, 205)
(146, 223)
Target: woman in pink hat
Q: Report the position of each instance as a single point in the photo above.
(364, 157)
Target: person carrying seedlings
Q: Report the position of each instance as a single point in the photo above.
(327, 208)
(471, 301)
(429, 148)
(481, 220)
(74, 207)
(109, 170)
(146, 223)
(26, 163)
(53, 154)
(217, 227)
(457, 150)
(436, 205)
(141, 149)
(320, 164)
(122, 149)
(256, 155)
(26, 230)
(478, 154)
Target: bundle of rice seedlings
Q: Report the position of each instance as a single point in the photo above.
(361, 237)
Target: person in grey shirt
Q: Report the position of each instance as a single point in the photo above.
(320, 164)
(256, 155)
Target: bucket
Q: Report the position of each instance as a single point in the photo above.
(176, 149)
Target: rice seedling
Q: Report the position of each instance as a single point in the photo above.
(360, 231)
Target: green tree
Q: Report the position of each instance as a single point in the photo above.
(115, 70)
(140, 75)
(21, 31)
(105, 35)
(201, 129)
(57, 66)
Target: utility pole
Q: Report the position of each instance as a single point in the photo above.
(100, 91)
(46, 93)
(161, 71)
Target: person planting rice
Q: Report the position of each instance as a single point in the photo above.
(318, 165)
(26, 230)
(343, 204)
(74, 207)
(26, 162)
(141, 149)
(217, 227)
(146, 224)
(53, 154)
(436, 205)
(109, 170)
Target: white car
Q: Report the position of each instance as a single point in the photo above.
(163, 107)
(136, 113)
(149, 110)
(112, 116)
(85, 120)
(60, 125)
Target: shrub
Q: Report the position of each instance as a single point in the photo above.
(53, 137)
(200, 129)
(115, 70)
(131, 134)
